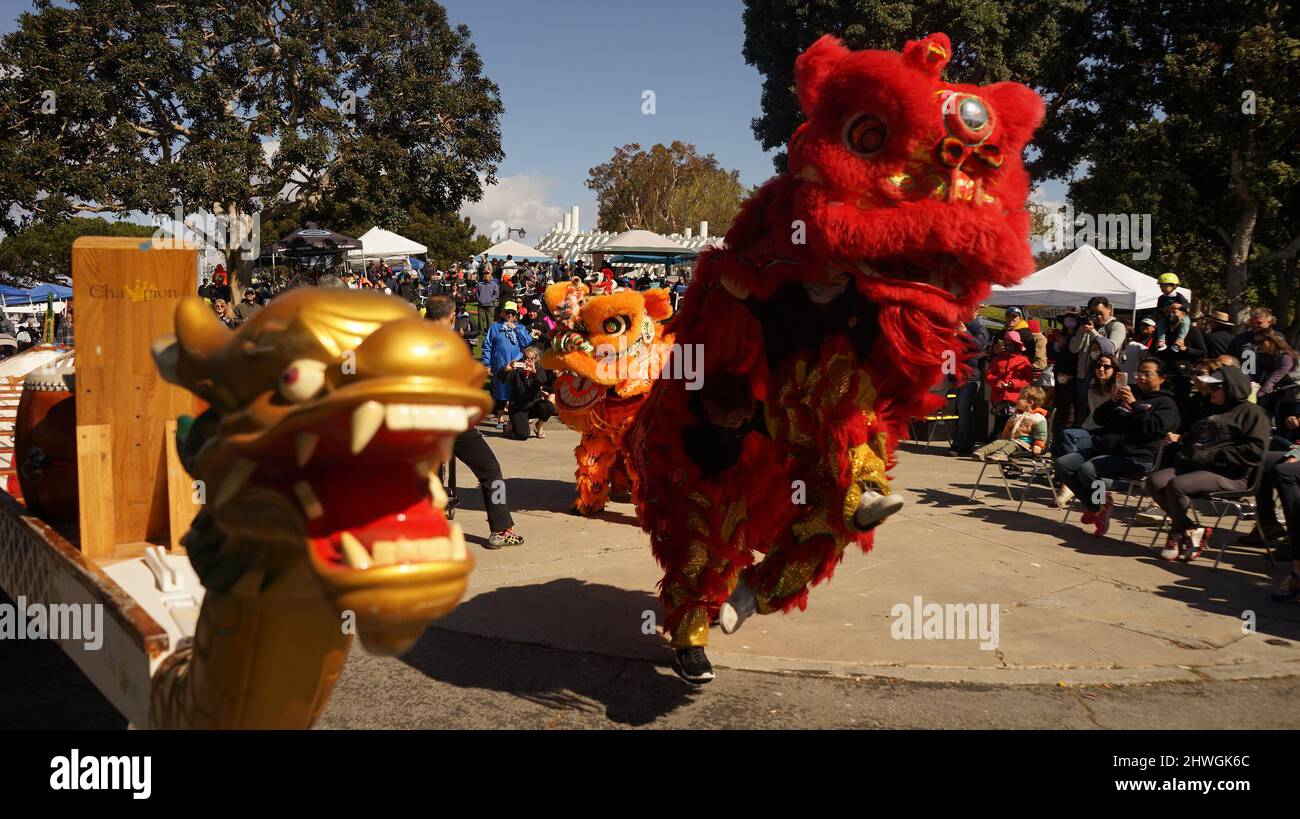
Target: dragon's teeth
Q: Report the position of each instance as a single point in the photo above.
(353, 552)
(238, 474)
(439, 548)
(385, 552)
(457, 538)
(401, 416)
(366, 421)
(304, 444)
(407, 550)
(435, 489)
(311, 504)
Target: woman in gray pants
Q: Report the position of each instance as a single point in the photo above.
(1217, 454)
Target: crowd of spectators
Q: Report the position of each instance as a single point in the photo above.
(508, 330)
(1186, 407)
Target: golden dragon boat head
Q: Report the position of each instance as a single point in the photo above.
(331, 413)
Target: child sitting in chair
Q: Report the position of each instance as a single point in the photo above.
(1026, 431)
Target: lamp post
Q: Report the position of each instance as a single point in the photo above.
(510, 230)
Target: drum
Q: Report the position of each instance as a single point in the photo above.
(45, 441)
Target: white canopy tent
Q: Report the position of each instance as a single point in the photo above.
(642, 241)
(378, 243)
(517, 249)
(1085, 273)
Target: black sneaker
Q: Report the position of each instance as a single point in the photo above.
(692, 665)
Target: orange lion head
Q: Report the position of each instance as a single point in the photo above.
(615, 340)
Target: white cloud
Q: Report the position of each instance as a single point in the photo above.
(520, 202)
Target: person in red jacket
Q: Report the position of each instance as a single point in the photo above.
(1009, 372)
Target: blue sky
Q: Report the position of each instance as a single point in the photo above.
(572, 75)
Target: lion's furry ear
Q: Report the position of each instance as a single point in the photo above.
(814, 66)
(658, 303)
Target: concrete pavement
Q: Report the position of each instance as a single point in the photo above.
(1072, 608)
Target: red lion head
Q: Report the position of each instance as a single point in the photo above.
(911, 184)
(907, 187)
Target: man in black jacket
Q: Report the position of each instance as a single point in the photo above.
(1218, 453)
(1219, 336)
(473, 450)
(1180, 357)
(1132, 425)
(963, 441)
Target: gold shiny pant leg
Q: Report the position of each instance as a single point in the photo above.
(782, 576)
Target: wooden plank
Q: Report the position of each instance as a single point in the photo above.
(95, 484)
(126, 290)
(180, 492)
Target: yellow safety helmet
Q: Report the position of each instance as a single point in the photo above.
(1168, 278)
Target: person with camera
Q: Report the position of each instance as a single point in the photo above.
(530, 395)
(1099, 324)
(1130, 427)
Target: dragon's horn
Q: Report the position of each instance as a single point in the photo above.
(200, 338)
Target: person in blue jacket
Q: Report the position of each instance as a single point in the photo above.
(504, 343)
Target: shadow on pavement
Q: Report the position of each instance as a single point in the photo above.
(1242, 582)
(573, 624)
(522, 494)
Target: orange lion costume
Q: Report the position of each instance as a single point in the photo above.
(824, 321)
(610, 349)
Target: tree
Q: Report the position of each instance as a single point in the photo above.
(42, 252)
(993, 40)
(1188, 110)
(366, 108)
(664, 189)
(448, 237)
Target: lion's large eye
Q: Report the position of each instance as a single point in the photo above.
(616, 325)
(968, 118)
(302, 380)
(864, 134)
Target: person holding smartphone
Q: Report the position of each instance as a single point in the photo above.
(1130, 428)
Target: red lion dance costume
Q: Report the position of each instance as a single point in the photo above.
(823, 323)
(610, 349)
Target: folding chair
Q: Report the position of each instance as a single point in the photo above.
(1239, 500)
(1032, 467)
(1026, 465)
(1130, 482)
(947, 414)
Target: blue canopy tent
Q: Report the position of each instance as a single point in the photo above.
(15, 296)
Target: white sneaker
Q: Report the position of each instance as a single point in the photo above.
(1064, 497)
(874, 507)
(1151, 514)
(738, 608)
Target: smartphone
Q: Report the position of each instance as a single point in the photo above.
(1121, 379)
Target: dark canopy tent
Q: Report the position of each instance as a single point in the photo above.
(312, 249)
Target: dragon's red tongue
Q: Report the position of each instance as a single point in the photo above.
(374, 503)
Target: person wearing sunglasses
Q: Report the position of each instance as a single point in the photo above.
(1098, 324)
(1216, 454)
